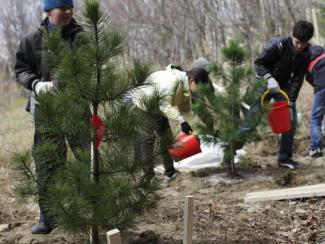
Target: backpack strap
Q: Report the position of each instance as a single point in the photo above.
(314, 62)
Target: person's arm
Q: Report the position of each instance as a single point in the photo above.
(269, 55)
(25, 67)
(172, 112)
(309, 78)
(296, 82)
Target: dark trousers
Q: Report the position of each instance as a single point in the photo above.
(251, 121)
(144, 148)
(48, 163)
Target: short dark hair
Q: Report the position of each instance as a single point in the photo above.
(199, 75)
(303, 30)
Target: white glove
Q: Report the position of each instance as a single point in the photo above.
(272, 85)
(43, 87)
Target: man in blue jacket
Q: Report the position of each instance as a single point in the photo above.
(316, 77)
(282, 64)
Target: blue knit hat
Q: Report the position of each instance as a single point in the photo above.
(51, 4)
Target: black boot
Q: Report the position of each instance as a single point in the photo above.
(43, 226)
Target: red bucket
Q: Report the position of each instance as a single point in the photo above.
(186, 146)
(279, 115)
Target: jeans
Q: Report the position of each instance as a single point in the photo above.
(252, 120)
(317, 115)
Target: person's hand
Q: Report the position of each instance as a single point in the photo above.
(186, 128)
(291, 104)
(272, 85)
(216, 133)
(43, 87)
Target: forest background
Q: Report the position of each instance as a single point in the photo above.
(172, 31)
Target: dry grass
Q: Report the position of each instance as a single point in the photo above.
(16, 133)
(9, 92)
(16, 130)
(220, 215)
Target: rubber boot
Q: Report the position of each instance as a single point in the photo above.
(43, 226)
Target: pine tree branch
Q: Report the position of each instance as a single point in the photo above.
(64, 210)
(30, 172)
(79, 87)
(114, 172)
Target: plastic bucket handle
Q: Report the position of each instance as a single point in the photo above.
(267, 92)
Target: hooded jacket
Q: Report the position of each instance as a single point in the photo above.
(173, 85)
(280, 60)
(29, 67)
(316, 76)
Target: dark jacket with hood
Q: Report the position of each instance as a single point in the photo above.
(280, 60)
(316, 77)
(29, 67)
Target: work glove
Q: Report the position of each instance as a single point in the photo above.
(186, 128)
(272, 85)
(43, 87)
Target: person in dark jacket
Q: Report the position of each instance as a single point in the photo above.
(282, 64)
(32, 73)
(316, 77)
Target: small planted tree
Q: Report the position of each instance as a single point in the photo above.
(221, 112)
(100, 186)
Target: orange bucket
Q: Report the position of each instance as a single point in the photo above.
(186, 146)
(279, 115)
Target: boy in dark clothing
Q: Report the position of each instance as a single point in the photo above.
(282, 63)
(34, 76)
(316, 77)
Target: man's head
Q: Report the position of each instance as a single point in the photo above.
(202, 63)
(302, 32)
(197, 76)
(60, 12)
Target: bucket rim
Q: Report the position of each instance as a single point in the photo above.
(283, 104)
(268, 91)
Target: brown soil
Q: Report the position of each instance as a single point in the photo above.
(220, 214)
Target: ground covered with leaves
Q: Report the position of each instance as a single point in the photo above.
(220, 214)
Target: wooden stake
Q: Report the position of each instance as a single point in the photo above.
(289, 193)
(114, 237)
(188, 220)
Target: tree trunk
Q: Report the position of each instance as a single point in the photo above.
(317, 36)
(263, 22)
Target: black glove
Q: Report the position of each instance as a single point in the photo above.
(186, 128)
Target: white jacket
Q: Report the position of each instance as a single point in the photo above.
(173, 85)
